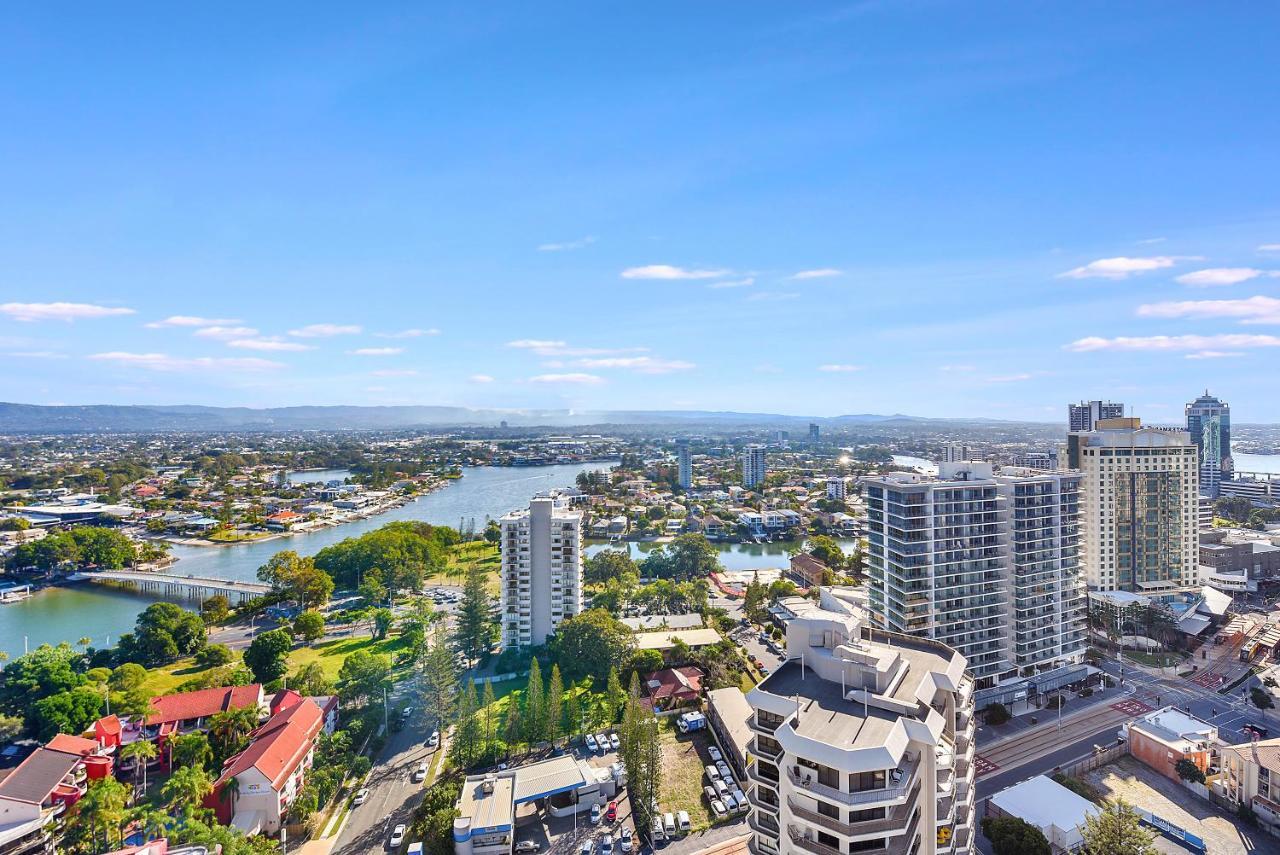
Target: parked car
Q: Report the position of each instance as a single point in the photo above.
(710, 793)
(725, 771)
(361, 795)
(397, 836)
(682, 819)
(718, 809)
(587, 847)
(606, 844)
(656, 833)
(528, 846)
(602, 739)
(614, 743)
(595, 814)
(669, 824)
(721, 787)
(433, 741)
(730, 803)
(611, 812)
(591, 743)
(624, 840)
(712, 772)
(714, 753)
(741, 798)
(420, 774)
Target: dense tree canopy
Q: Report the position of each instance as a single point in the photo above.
(162, 634)
(266, 655)
(591, 643)
(399, 551)
(83, 545)
(609, 564)
(688, 556)
(297, 578)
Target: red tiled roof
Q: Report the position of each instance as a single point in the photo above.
(203, 703)
(283, 700)
(108, 725)
(685, 682)
(279, 745)
(73, 745)
(283, 515)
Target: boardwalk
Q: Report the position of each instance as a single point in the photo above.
(193, 587)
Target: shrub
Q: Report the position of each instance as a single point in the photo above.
(1189, 771)
(1086, 692)
(996, 714)
(214, 655)
(1261, 698)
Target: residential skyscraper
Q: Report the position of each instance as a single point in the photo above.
(815, 432)
(754, 467)
(837, 487)
(1209, 423)
(988, 564)
(684, 461)
(1141, 503)
(954, 452)
(863, 741)
(1084, 415)
(541, 570)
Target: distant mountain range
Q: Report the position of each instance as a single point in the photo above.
(32, 418)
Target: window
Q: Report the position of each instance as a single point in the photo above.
(860, 781)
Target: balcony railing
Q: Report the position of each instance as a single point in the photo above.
(893, 790)
(810, 845)
(764, 751)
(894, 818)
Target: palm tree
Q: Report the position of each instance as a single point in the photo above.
(140, 751)
(230, 792)
(229, 730)
(85, 641)
(187, 787)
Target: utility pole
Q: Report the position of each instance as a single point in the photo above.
(386, 725)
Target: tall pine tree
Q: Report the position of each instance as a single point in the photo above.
(488, 734)
(535, 707)
(475, 630)
(555, 706)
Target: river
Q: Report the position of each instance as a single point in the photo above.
(102, 614)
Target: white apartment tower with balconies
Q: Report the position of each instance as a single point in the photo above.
(988, 564)
(754, 466)
(684, 464)
(541, 570)
(1140, 490)
(862, 741)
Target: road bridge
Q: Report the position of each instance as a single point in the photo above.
(167, 585)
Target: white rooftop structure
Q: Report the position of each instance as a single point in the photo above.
(1049, 806)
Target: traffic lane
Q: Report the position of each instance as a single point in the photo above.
(984, 788)
(392, 794)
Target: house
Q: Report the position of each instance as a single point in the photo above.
(808, 571)
(42, 787)
(672, 687)
(664, 640)
(1162, 738)
(287, 698)
(283, 520)
(712, 526)
(271, 772)
(1251, 777)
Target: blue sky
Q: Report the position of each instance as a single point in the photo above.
(947, 209)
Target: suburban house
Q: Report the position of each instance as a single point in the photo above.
(672, 687)
(283, 520)
(269, 774)
(807, 571)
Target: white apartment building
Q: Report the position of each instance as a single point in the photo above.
(541, 570)
(861, 742)
(684, 464)
(987, 564)
(837, 488)
(954, 452)
(754, 467)
(1085, 415)
(1141, 507)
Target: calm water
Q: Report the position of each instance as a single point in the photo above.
(734, 556)
(323, 476)
(68, 614)
(928, 467)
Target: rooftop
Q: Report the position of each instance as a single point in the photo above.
(824, 714)
(487, 811)
(1045, 803)
(1176, 729)
(36, 777)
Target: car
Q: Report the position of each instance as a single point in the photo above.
(655, 832)
(397, 836)
(624, 840)
(682, 819)
(710, 793)
(764, 672)
(591, 743)
(433, 741)
(712, 772)
(420, 774)
(718, 809)
(725, 771)
(595, 814)
(730, 803)
(606, 844)
(764, 638)
(602, 739)
(614, 744)
(528, 846)
(669, 824)
(406, 712)
(721, 787)
(741, 798)
(362, 794)
(714, 753)
(611, 812)
(587, 847)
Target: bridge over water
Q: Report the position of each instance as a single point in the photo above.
(192, 587)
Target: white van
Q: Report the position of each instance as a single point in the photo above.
(669, 824)
(683, 819)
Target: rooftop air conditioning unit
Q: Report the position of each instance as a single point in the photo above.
(490, 781)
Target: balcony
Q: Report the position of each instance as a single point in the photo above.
(895, 789)
(810, 845)
(760, 750)
(761, 804)
(894, 818)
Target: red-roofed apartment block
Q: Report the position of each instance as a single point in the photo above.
(43, 786)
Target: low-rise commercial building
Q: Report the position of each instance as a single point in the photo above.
(1162, 738)
(1059, 813)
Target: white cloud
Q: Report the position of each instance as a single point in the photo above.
(1251, 310)
(325, 330)
(666, 271)
(554, 347)
(1269, 247)
(1214, 354)
(772, 296)
(642, 364)
(1121, 267)
(734, 283)
(376, 351)
(191, 321)
(1009, 378)
(957, 368)
(60, 311)
(164, 362)
(574, 378)
(835, 368)
(410, 333)
(225, 332)
(1228, 341)
(1150, 241)
(394, 372)
(819, 273)
(537, 344)
(567, 245)
(1215, 276)
(480, 378)
(272, 344)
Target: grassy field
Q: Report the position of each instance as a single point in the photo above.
(682, 771)
(233, 536)
(331, 654)
(164, 681)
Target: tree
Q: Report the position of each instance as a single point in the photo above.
(186, 788)
(309, 626)
(66, 712)
(1188, 771)
(363, 677)
(400, 549)
(439, 681)
(996, 713)
(1117, 830)
(555, 706)
(214, 656)
(142, 752)
(614, 695)
(573, 714)
(311, 680)
(466, 746)
(534, 706)
(230, 792)
(229, 732)
(216, 609)
(640, 749)
(1010, 835)
(512, 729)
(297, 578)
(591, 643)
(39, 674)
(609, 564)
(826, 550)
(102, 810)
(754, 604)
(692, 557)
(645, 661)
(476, 629)
(382, 620)
(191, 749)
(162, 634)
(266, 655)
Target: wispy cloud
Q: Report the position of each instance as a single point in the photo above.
(1251, 310)
(556, 347)
(818, 273)
(191, 321)
(565, 246)
(1269, 247)
(325, 330)
(1122, 267)
(164, 362)
(771, 296)
(1009, 378)
(394, 372)
(1214, 354)
(480, 378)
(734, 283)
(1150, 241)
(957, 368)
(270, 344)
(36, 354)
(376, 351)
(1226, 342)
(667, 271)
(571, 378)
(60, 311)
(223, 332)
(1216, 276)
(410, 333)
(641, 364)
(537, 344)
(839, 368)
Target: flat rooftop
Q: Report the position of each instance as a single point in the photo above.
(1045, 803)
(488, 811)
(825, 714)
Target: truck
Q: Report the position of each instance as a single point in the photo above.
(691, 721)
